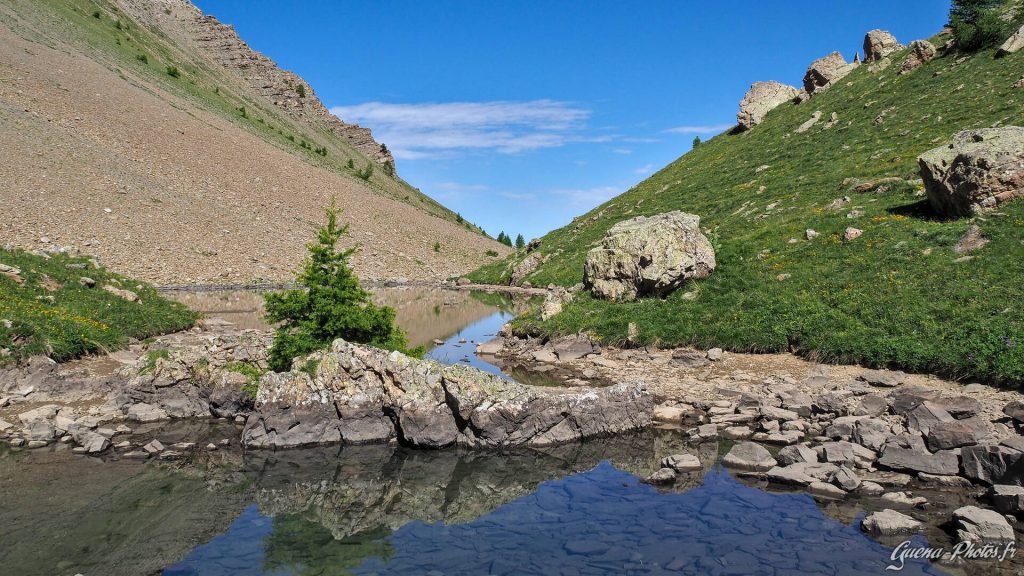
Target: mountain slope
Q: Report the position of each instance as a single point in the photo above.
(898, 296)
(152, 136)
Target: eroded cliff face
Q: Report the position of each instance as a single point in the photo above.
(284, 89)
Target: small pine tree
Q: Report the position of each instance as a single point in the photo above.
(976, 24)
(696, 141)
(301, 90)
(520, 242)
(332, 305)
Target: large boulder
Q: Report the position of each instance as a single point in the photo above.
(981, 526)
(648, 256)
(824, 71)
(878, 44)
(980, 170)
(762, 98)
(921, 52)
(1013, 43)
(359, 394)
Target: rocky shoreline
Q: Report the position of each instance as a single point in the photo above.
(899, 441)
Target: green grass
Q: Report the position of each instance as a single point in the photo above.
(151, 357)
(895, 297)
(71, 320)
(252, 374)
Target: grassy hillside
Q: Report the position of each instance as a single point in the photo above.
(52, 313)
(142, 54)
(897, 296)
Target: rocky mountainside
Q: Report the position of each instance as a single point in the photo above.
(152, 136)
(868, 216)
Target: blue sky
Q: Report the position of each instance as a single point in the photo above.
(521, 115)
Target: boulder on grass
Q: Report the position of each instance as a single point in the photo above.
(648, 256)
(878, 44)
(824, 71)
(979, 171)
(762, 98)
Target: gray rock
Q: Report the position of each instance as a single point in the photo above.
(41, 430)
(763, 97)
(1014, 43)
(662, 476)
(361, 394)
(982, 526)
(904, 499)
(871, 433)
(824, 71)
(993, 464)
(795, 454)
(801, 473)
(705, 432)
(948, 435)
(921, 52)
(750, 457)
(842, 427)
(1015, 409)
(570, 348)
(823, 490)
(944, 462)
(648, 256)
(890, 523)
(153, 447)
(93, 442)
(960, 407)
(682, 463)
(882, 378)
(926, 415)
(146, 413)
(944, 481)
(845, 478)
(1008, 499)
(871, 405)
(980, 170)
(878, 44)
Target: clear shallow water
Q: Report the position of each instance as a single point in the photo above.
(601, 521)
(460, 348)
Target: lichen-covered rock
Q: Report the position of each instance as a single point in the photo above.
(980, 170)
(648, 256)
(359, 394)
(762, 98)
(824, 71)
(1014, 43)
(878, 44)
(526, 267)
(921, 52)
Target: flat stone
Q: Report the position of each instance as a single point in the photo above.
(1015, 409)
(925, 415)
(146, 413)
(890, 523)
(982, 526)
(992, 464)
(823, 490)
(870, 489)
(944, 462)
(136, 455)
(153, 447)
(906, 398)
(904, 499)
(662, 476)
(871, 433)
(775, 413)
(1008, 499)
(671, 414)
(749, 456)
(682, 463)
(948, 435)
(737, 433)
(948, 481)
(32, 444)
(960, 406)
(871, 405)
(845, 478)
(796, 454)
(92, 442)
(882, 378)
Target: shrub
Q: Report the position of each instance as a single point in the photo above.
(332, 305)
(976, 24)
(96, 14)
(350, 164)
(142, 58)
(365, 173)
(437, 246)
(301, 90)
(173, 72)
(696, 141)
(492, 253)
(117, 24)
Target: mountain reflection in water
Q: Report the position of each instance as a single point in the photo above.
(571, 510)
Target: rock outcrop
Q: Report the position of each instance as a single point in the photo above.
(1013, 44)
(878, 44)
(648, 256)
(359, 395)
(980, 170)
(921, 52)
(762, 98)
(282, 88)
(824, 71)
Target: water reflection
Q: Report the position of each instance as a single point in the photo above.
(571, 510)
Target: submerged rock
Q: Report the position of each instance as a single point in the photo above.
(360, 394)
(648, 256)
(889, 523)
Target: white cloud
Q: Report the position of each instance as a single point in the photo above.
(644, 170)
(712, 129)
(518, 196)
(414, 131)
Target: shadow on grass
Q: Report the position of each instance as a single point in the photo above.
(921, 210)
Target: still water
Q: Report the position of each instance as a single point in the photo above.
(578, 509)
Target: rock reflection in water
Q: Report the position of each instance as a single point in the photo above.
(573, 509)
